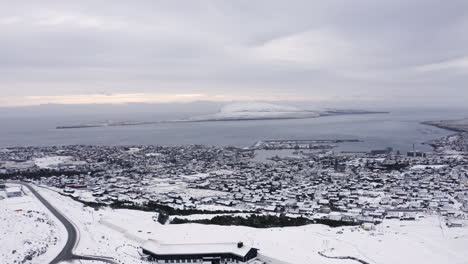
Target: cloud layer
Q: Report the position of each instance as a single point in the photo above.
(61, 51)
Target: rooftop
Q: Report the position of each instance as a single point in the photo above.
(13, 189)
(189, 249)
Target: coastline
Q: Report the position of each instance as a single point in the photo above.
(104, 125)
(453, 125)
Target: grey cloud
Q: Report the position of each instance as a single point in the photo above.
(332, 48)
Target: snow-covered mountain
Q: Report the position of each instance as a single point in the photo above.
(257, 107)
(255, 110)
(260, 110)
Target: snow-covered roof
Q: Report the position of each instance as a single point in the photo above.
(190, 249)
(13, 189)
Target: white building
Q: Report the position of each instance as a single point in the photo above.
(215, 253)
(13, 192)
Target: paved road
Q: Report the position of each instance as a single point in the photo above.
(344, 257)
(67, 251)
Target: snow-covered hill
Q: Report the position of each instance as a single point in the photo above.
(259, 110)
(119, 233)
(29, 233)
(257, 107)
(255, 110)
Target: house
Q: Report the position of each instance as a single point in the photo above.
(408, 216)
(13, 192)
(454, 223)
(210, 253)
(368, 226)
(416, 154)
(393, 215)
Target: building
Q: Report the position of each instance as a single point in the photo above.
(212, 253)
(13, 192)
(416, 154)
(454, 223)
(368, 226)
(381, 151)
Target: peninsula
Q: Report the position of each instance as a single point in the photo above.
(105, 124)
(459, 125)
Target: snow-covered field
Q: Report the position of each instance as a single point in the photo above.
(54, 161)
(29, 233)
(423, 167)
(409, 242)
(96, 238)
(164, 186)
(48, 162)
(118, 233)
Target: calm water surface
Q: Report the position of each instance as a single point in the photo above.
(400, 129)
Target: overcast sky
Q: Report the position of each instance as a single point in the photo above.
(115, 51)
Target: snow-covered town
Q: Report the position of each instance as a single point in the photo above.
(177, 187)
(234, 132)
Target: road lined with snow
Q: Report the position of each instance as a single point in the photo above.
(344, 257)
(67, 252)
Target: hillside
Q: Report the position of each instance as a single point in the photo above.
(258, 111)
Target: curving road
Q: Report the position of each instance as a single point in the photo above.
(345, 257)
(67, 252)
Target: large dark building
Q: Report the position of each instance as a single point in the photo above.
(216, 253)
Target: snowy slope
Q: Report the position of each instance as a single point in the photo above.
(29, 233)
(49, 162)
(257, 111)
(54, 161)
(413, 242)
(118, 233)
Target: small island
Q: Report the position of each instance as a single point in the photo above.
(240, 112)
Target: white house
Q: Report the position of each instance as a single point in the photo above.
(13, 192)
